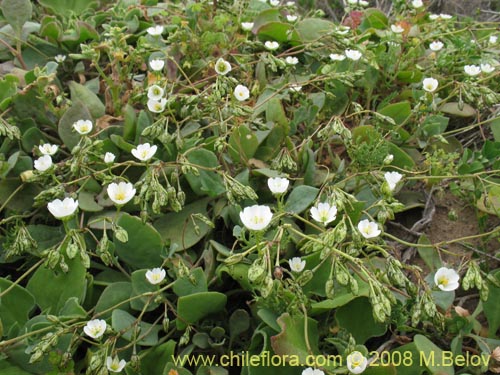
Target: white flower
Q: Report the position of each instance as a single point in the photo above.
(115, 364)
(324, 213)
(256, 217)
(295, 87)
(241, 93)
(436, 45)
(368, 229)
(417, 4)
(472, 70)
(433, 17)
(392, 179)
(278, 185)
(156, 275)
(157, 64)
(274, 2)
(247, 26)
(155, 30)
(397, 29)
(157, 106)
(445, 16)
(356, 362)
(343, 30)
(291, 60)
(388, 159)
(222, 67)
(352, 54)
(291, 18)
(337, 57)
(121, 193)
(48, 149)
(487, 68)
(492, 39)
(430, 84)
(109, 157)
(297, 264)
(312, 371)
(83, 126)
(446, 279)
(43, 163)
(95, 328)
(155, 92)
(144, 151)
(60, 58)
(271, 45)
(62, 208)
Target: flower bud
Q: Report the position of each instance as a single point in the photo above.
(121, 234)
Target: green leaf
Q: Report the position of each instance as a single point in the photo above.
(178, 227)
(373, 18)
(266, 16)
(278, 31)
(410, 368)
(291, 340)
(342, 297)
(207, 182)
(457, 109)
(87, 202)
(72, 309)
(8, 88)
(141, 285)
(16, 195)
(409, 76)
(122, 321)
(32, 138)
(78, 111)
(156, 358)
(144, 245)
(114, 295)
(239, 322)
(17, 12)
(195, 282)
(88, 98)
(399, 112)
(192, 308)
(46, 236)
(15, 306)
(301, 198)
(121, 143)
(68, 7)
(313, 29)
(52, 289)
(401, 158)
(270, 318)
(357, 318)
(428, 254)
(495, 129)
(275, 113)
(491, 307)
(238, 272)
(8, 369)
(242, 144)
(434, 125)
(432, 356)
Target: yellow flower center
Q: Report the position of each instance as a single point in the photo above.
(443, 280)
(120, 196)
(144, 154)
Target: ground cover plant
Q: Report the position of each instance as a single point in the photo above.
(186, 182)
